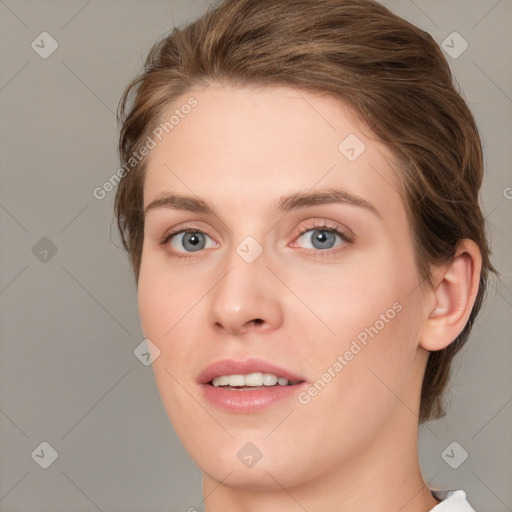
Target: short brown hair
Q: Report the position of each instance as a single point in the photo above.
(393, 74)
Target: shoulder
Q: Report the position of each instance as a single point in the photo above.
(451, 501)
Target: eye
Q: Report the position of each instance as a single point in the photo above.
(182, 243)
(319, 237)
(322, 237)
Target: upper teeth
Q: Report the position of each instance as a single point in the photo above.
(251, 379)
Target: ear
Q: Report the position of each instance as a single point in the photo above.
(451, 300)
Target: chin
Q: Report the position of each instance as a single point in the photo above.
(270, 466)
(262, 477)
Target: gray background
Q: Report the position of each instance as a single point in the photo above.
(69, 322)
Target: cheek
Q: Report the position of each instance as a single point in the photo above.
(151, 299)
(360, 386)
(172, 315)
(382, 372)
(166, 308)
(374, 320)
(163, 300)
(346, 299)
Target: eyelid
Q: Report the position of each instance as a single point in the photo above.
(333, 227)
(323, 225)
(169, 234)
(175, 231)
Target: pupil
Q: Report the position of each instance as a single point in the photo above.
(194, 239)
(323, 237)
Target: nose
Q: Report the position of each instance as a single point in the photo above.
(246, 298)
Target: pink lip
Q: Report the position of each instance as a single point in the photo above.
(252, 365)
(249, 400)
(246, 400)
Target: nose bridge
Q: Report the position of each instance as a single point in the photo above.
(247, 293)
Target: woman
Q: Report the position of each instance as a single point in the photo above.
(299, 199)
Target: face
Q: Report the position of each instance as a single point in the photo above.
(292, 258)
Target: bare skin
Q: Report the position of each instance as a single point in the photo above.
(353, 445)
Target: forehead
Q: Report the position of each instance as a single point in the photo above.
(248, 146)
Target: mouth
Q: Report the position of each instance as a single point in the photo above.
(255, 380)
(247, 386)
(252, 372)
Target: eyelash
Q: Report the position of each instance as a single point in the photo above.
(315, 227)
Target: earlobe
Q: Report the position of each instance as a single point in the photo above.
(453, 297)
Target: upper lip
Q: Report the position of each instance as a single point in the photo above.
(243, 367)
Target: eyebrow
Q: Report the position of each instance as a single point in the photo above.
(285, 204)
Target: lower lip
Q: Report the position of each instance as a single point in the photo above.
(249, 400)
